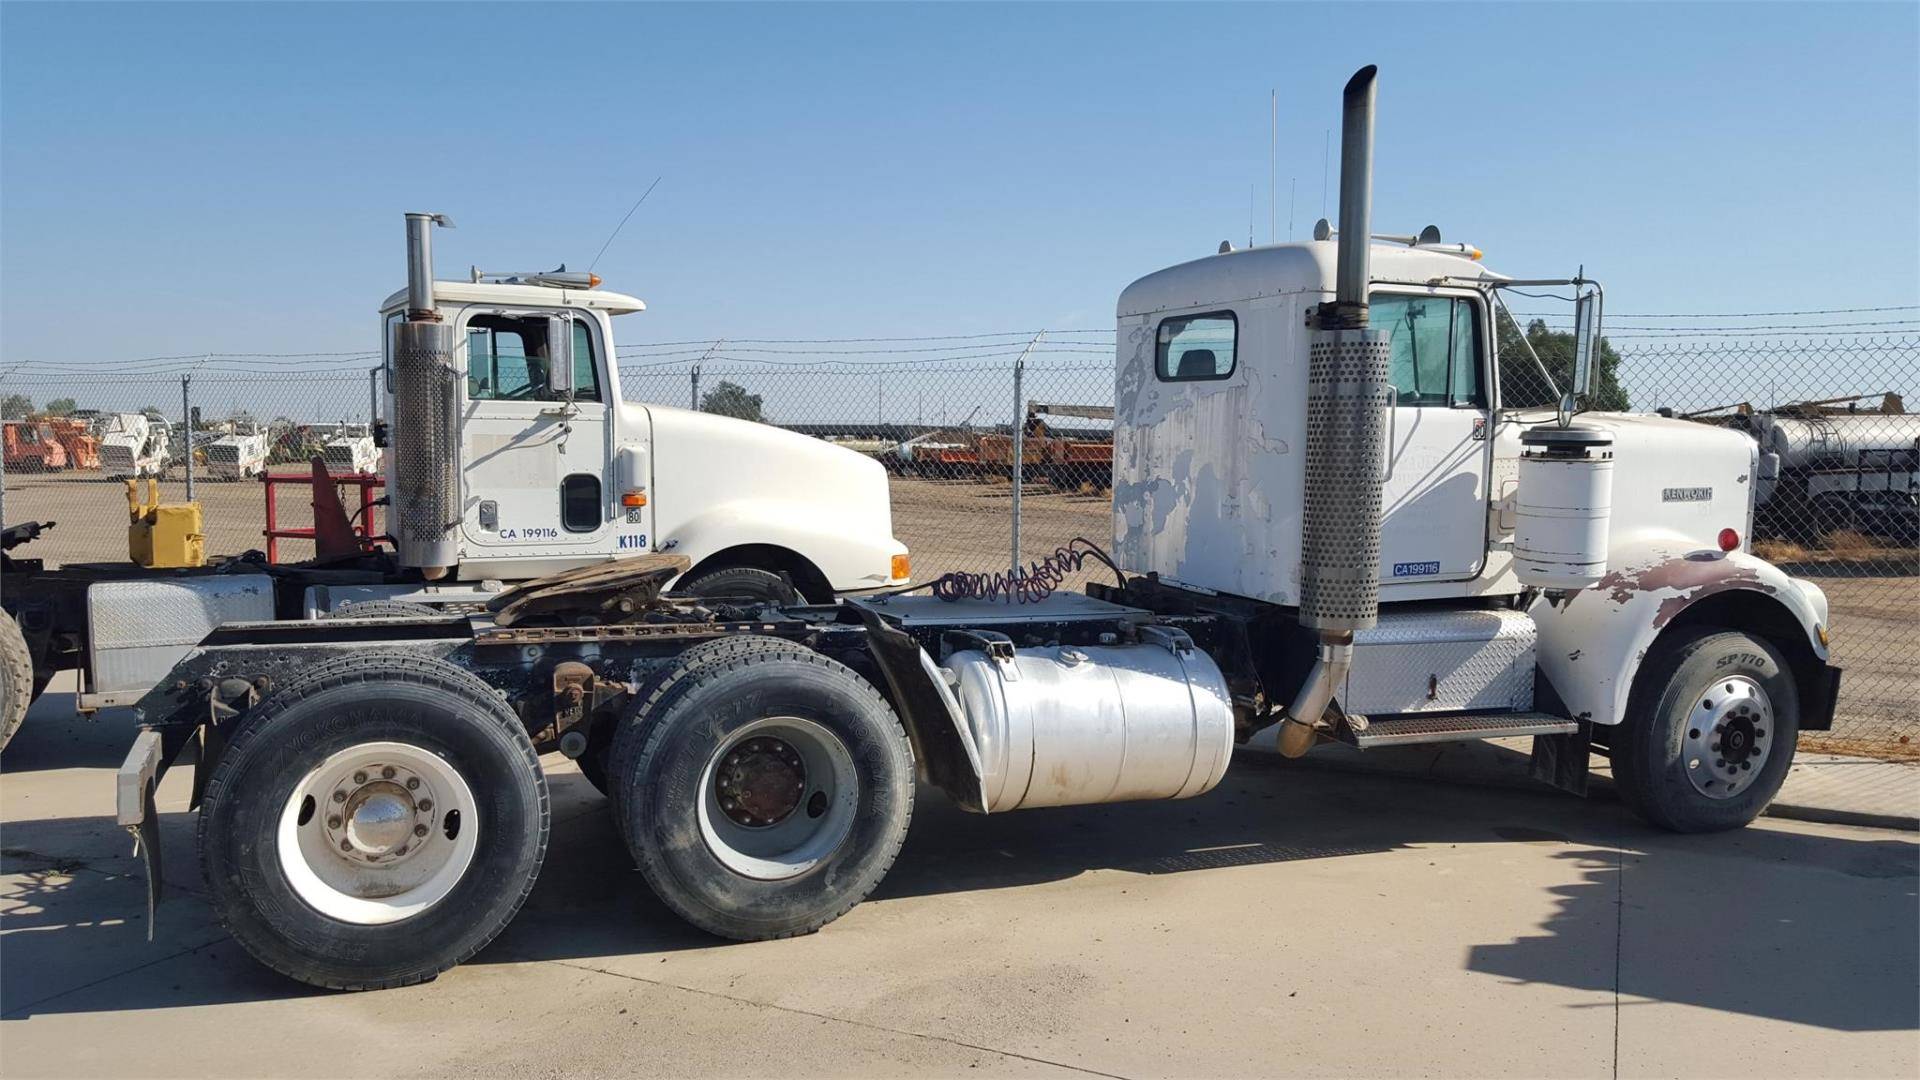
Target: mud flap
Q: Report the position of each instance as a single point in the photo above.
(1562, 760)
(134, 786)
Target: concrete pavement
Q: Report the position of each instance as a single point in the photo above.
(1293, 922)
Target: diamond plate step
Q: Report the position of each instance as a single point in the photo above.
(1407, 731)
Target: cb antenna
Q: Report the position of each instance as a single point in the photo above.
(623, 223)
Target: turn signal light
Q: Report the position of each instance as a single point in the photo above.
(633, 498)
(902, 567)
(1729, 539)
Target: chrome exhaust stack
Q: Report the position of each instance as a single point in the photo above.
(1346, 442)
(426, 421)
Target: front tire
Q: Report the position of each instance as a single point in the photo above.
(742, 582)
(373, 824)
(770, 796)
(1710, 732)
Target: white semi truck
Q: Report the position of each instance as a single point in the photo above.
(1325, 525)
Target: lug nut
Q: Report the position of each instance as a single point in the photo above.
(346, 845)
(360, 777)
(419, 830)
(339, 796)
(333, 821)
(399, 851)
(426, 805)
(387, 773)
(413, 783)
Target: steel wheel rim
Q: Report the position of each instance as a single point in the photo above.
(1729, 737)
(774, 846)
(377, 833)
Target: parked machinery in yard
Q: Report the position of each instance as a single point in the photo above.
(134, 445)
(1326, 528)
(239, 454)
(351, 449)
(1830, 465)
(77, 439)
(32, 446)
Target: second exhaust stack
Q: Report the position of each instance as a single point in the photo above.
(1346, 444)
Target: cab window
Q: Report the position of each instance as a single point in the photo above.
(1436, 348)
(1193, 347)
(507, 360)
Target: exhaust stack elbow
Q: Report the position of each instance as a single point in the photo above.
(1302, 727)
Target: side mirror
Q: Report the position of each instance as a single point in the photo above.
(1586, 341)
(560, 355)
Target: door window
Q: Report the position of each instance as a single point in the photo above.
(1436, 348)
(580, 502)
(507, 360)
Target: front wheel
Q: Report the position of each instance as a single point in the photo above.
(373, 824)
(1710, 732)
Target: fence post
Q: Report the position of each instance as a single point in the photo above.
(186, 415)
(1020, 443)
(711, 349)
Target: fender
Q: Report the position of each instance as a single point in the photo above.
(1592, 644)
(850, 561)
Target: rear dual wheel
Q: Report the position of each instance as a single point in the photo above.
(374, 823)
(763, 788)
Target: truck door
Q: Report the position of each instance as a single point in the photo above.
(1435, 503)
(533, 472)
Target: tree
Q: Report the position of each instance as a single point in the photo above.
(732, 399)
(15, 407)
(1520, 382)
(63, 406)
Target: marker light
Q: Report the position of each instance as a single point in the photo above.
(633, 498)
(902, 567)
(1729, 539)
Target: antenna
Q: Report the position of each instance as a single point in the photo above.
(1250, 205)
(1293, 185)
(1326, 140)
(623, 223)
(1273, 184)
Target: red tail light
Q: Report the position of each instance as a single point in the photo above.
(1729, 539)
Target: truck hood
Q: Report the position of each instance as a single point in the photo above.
(703, 462)
(1675, 482)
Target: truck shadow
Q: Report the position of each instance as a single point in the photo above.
(1710, 921)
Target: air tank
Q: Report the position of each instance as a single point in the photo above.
(1066, 725)
(1565, 506)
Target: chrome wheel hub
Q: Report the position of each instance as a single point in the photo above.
(378, 832)
(1729, 736)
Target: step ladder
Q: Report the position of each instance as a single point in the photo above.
(1413, 730)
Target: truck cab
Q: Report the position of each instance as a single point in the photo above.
(551, 479)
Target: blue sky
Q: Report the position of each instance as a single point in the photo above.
(180, 178)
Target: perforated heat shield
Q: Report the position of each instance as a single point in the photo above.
(426, 444)
(1346, 457)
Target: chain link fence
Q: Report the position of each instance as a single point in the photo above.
(981, 433)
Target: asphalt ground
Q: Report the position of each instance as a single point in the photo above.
(1295, 921)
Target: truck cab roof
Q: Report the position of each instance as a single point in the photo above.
(490, 292)
(1277, 269)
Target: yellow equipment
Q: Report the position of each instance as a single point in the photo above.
(163, 537)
